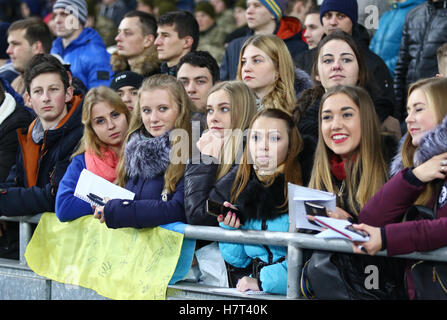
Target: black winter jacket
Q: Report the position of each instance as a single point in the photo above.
(19, 118)
(424, 31)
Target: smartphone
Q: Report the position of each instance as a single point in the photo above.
(315, 209)
(216, 209)
(359, 232)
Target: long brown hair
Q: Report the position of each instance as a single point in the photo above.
(366, 172)
(292, 167)
(435, 90)
(175, 171)
(95, 95)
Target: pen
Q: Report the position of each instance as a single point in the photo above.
(96, 199)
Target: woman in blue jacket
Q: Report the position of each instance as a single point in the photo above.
(258, 188)
(156, 150)
(106, 120)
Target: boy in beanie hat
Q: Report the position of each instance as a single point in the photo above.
(126, 84)
(78, 8)
(81, 47)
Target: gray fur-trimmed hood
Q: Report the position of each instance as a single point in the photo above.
(432, 144)
(147, 157)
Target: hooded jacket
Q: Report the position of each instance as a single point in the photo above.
(33, 182)
(387, 208)
(289, 30)
(88, 58)
(423, 33)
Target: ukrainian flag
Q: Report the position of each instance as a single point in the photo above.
(125, 263)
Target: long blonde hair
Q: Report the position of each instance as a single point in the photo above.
(366, 172)
(95, 95)
(175, 171)
(282, 93)
(292, 168)
(435, 90)
(243, 108)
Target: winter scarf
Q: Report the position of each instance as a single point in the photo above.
(147, 157)
(432, 144)
(104, 166)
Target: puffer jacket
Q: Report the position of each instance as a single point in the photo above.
(32, 184)
(423, 33)
(386, 41)
(88, 58)
(259, 205)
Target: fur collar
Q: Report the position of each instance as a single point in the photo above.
(146, 65)
(432, 144)
(147, 157)
(258, 201)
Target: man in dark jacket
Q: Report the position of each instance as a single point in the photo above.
(263, 17)
(177, 34)
(46, 145)
(423, 33)
(343, 14)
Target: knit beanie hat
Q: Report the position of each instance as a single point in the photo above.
(348, 7)
(206, 7)
(76, 7)
(274, 7)
(126, 78)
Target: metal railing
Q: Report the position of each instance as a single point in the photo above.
(295, 243)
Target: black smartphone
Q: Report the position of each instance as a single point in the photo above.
(216, 209)
(315, 209)
(359, 232)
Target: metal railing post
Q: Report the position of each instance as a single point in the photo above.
(25, 234)
(294, 265)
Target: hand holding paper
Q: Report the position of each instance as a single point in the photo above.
(342, 229)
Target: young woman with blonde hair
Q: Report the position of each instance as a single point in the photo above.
(266, 66)
(230, 107)
(106, 119)
(419, 178)
(156, 151)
